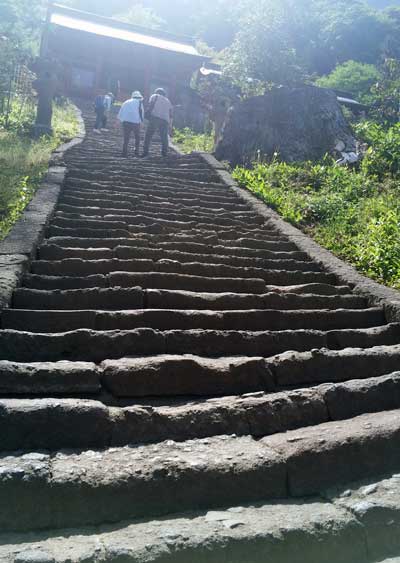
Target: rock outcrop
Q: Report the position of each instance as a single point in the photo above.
(298, 123)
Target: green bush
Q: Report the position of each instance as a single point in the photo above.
(189, 141)
(353, 213)
(24, 161)
(353, 77)
(383, 156)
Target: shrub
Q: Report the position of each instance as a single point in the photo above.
(351, 212)
(353, 77)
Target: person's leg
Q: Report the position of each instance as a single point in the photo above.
(163, 128)
(98, 119)
(151, 128)
(127, 135)
(136, 132)
(104, 120)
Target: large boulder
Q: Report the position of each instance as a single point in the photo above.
(301, 123)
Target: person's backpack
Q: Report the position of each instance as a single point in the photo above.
(148, 113)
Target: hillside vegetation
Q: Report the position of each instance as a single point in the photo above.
(24, 161)
(355, 213)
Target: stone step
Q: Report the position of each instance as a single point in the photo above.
(163, 191)
(131, 298)
(273, 246)
(89, 345)
(169, 375)
(153, 280)
(55, 252)
(58, 422)
(327, 531)
(152, 203)
(191, 214)
(186, 319)
(53, 231)
(80, 267)
(169, 230)
(183, 222)
(121, 193)
(48, 379)
(181, 244)
(292, 369)
(111, 485)
(74, 197)
(190, 177)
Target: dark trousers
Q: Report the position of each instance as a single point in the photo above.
(130, 128)
(101, 119)
(162, 126)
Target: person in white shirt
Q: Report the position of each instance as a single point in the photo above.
(131, 116)
(160, 117)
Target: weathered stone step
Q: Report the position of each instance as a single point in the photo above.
(184, 222)
(165, 227)
(292, 369)
(46, 283)
(153, 188)
(222, 234)
(131, 298)
(152, 204)
(53, 231)
(74, 197)
(58, 423)
(89, 345)
(122, 193)
(149, 281)
(79, 267)
(327, 532)
(48, 379)
(56, 252)
(164, 174)
(187, 243)
(169, 375)
(164, 243)
(96, 487)
(148, 180)
(168, 212)
(165, 319)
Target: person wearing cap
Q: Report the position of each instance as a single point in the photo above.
(131, 116)
(160, 118)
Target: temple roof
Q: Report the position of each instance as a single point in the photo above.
(114, 29)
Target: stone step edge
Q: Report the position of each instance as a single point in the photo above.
(376, 293)
(167, 375)
(74, 345)
(357, 525)
(58, 422)
(107, 486)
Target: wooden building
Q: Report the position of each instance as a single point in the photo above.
(97, 53)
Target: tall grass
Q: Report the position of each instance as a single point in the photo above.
(188, 141)
(24, 161)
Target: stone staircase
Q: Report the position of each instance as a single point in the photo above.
(170, 350)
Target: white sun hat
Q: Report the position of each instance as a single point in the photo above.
(137, 94)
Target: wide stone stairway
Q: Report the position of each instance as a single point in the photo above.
(170, 352)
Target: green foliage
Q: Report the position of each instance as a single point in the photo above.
(353, 77)
(142, 16)
(23, 162)
(386, 93)
(382, 159)
(188, 141)
(353, 213)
